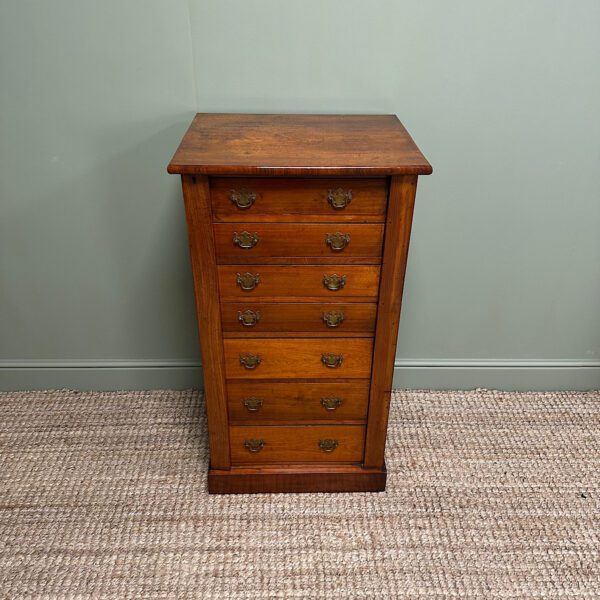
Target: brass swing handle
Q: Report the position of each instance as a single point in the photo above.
(331, 403)
(328, 445)
(253, 404)
(250, 361)
(254, 445)
(332, 361)
(248, 318)
(247, 281)
(333, 318)
(337, 241)
(245, 240)
(334, 282)
(242, 198)
(339, 198)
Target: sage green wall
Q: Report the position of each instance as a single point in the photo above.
(503, 283)
(94, 268)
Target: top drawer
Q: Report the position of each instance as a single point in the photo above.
(285, 199)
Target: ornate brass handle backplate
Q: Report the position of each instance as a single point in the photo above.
(328, 445)
(337, 241)
(333, 361)
(248, 318)
(331, 403)
(242, 198)
(245, 240)
(334, 282)
(339, 198)
(247, 281)
(254, 445)
(333, 318)
(250, 361)
(253, 404)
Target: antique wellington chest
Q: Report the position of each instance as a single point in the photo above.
(298, 229)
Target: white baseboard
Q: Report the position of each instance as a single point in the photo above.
(408, 374)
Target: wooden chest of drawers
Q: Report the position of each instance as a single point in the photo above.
(299, 228)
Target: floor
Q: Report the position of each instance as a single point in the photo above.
(490, 495)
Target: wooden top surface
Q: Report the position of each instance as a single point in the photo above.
(298, 145)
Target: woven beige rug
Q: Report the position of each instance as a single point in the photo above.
(490, 495)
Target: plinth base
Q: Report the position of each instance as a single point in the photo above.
(296, 479)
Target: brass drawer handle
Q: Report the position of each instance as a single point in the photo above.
(250, 361)
(339, 198)
(334, 282)
(253, 404)
(254, 445)
(337, 241)
(242, 198)
(333, 361)
(328, 445)
(245, 240)
(331, 403)
(333, 318)
(247, 281)
(248, 318)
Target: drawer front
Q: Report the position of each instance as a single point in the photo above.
(255, 402)
(280, 242)
(321, 358)
(285, 199)
(259, 318)
(296, 444)
(247, 282)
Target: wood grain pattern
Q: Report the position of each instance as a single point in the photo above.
(296, 318)
(297, 444)
(282, 242)
(290, 282)
(395, 254)
(298, 358)
(298, 145)
(296, 479)
(297, 401)
(202, 253)
(280, 199)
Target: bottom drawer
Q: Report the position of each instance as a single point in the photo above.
(297, 444)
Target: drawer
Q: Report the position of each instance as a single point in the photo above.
(285, 199)
(296, 444)
(321, 358)
(325, 281)
(260, 318)
(295, 242)
(294, 401)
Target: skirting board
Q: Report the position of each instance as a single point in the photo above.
(543, 375)
(100, 375)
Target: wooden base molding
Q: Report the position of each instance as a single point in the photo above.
(239, 480)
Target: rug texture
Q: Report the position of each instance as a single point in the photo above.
(490, 495)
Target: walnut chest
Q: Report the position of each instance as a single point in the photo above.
(298, 229)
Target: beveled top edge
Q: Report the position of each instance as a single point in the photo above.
(228, 144)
